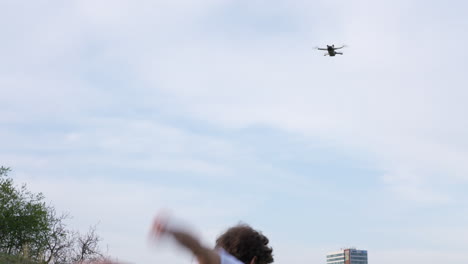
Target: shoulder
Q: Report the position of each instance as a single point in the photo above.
(227, 258)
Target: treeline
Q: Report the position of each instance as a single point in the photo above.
(32, 232)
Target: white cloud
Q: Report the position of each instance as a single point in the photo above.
(381, 97)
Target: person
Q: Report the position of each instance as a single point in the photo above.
(240, 244)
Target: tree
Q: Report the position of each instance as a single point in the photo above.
(30, 228)
(23, 218)
(64, 246)
(87, 247)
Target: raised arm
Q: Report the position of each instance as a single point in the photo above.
(203, 254)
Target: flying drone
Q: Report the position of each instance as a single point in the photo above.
(331, 50)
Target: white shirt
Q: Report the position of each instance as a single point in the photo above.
(226, 258)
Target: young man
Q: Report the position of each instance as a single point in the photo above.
(240, 244)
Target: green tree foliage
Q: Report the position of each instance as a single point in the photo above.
(32, 232)
(23, 218)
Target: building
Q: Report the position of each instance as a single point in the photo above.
(347, 256)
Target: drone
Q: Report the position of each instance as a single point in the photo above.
(331, 50)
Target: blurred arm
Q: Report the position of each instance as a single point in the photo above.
(204, 255)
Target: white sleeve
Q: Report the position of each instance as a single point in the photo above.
(227, 258)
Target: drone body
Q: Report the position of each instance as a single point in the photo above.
(331, 50)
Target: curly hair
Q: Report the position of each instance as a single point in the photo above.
(245, 243)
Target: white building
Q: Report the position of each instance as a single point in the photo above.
(347, 256)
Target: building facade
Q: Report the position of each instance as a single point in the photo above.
(347, 256)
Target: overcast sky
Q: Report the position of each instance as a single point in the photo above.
(222, 111)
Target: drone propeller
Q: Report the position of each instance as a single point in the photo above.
(344, 46)
(318, 48)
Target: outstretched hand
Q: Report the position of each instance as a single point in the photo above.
(159, 227)
(162, 226)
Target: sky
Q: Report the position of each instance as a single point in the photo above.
(222, 111)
